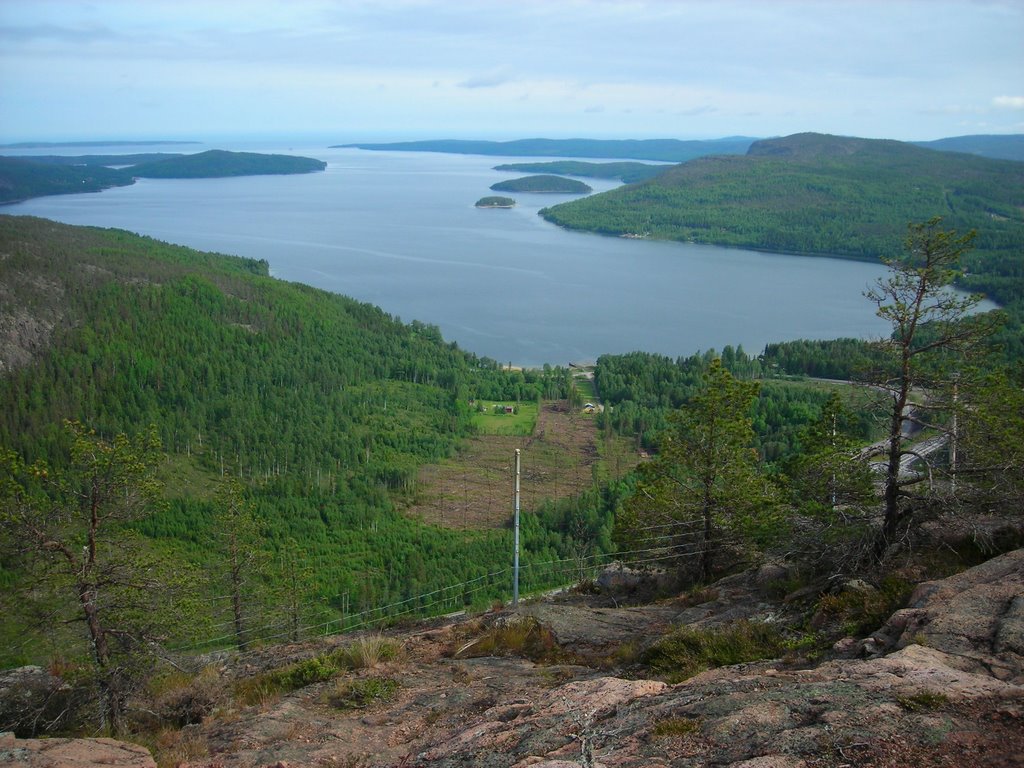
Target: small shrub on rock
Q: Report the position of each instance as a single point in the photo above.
(687, 651)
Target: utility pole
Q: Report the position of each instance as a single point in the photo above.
(515, 550)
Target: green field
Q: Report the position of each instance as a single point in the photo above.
(487, 422)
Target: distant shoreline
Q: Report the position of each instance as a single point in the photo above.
(47, 144)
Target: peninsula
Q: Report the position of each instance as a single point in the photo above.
(22, 178)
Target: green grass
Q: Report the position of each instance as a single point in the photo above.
(487, 422)
(687, 651)
(585, 387)
(359, 694)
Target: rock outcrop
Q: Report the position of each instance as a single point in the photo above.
(940, 686)
(72, 753)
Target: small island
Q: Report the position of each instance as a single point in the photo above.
(495, 202)
(542, 183)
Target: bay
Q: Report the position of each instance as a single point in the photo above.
(400, 230)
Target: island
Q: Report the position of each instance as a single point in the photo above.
(542, 183)
(22, 178)
(218, 163)
(495, 202)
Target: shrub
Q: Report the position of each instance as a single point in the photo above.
(524, 637)
(366, 652)
(181, 700)
(259, 689)
(864, 611)
(686, 651)
(358, 694)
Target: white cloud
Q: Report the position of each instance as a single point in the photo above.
(1008, 102)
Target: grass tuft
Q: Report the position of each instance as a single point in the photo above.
(685, 652)
(359, 694)
(925, 701)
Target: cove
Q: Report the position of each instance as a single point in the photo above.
(400, 230)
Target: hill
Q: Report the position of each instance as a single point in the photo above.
(670, 150)
(325, 407)
(23, 179)
(216, 163)
(542, 183)
(994, 146)
(825, 195)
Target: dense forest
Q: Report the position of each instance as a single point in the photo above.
(542, 183)
(826, 195)
(26, 177)
(998, 147)
(323, 406)
(643, 388)
(815, 194)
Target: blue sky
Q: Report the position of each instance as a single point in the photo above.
(345, 71)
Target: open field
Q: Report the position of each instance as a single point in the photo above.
(560, 458)
(520, 423)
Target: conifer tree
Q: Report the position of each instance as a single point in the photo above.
(934, 330)
(70, 531)
(705, 481)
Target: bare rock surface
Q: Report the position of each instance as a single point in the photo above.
(975, 618)
(953, 700)
(72, 753)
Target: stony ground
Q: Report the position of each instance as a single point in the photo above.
(939, 684)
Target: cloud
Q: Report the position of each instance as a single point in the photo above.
(54, 32)
(594, 110)
(1008, 102)
(486, 80)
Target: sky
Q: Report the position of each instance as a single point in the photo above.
(348, 70)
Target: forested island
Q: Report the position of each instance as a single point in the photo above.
(542, 183)
(495, 201)
(22, 178)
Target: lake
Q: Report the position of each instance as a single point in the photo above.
(399, 230)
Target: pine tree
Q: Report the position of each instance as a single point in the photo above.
(934, 330)
(705, 483)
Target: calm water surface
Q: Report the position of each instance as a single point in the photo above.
(400, 230)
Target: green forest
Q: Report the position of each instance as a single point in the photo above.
(324, 407)
(197, 456)
(26, 177)
(542, 183)
(825, 195)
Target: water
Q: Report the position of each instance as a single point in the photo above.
(400, 230)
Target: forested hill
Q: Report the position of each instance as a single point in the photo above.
(829, 195)
(999, 147)
(122, 331)
(25, 177)
(323, 406)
